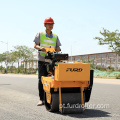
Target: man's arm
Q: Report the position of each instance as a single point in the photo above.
(37, 43)
(58, 44)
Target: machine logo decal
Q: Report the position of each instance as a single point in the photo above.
(74, 69)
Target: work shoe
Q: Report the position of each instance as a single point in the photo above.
(40, 103)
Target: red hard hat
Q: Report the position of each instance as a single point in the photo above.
(49, 20)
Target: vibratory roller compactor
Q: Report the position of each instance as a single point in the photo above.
(68, 85)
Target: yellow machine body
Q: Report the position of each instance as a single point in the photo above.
(67, 75)
(72, 72)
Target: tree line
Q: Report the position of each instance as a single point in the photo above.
(19, 53)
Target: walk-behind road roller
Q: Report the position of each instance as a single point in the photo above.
(68, 85)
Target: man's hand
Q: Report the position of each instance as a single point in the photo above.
(39, 48)
(57, 50)
(43, 49)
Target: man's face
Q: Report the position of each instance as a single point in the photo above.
(49, 26)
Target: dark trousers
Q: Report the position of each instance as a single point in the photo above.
(42, 71)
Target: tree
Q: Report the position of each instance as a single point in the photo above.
(110, 38)
(2, 59)
(13, 59)
(23, 53)
(6, 59)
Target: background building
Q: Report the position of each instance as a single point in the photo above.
(105, 60)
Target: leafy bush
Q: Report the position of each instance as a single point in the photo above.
(110, 68)
(18, 70)
(1, 67)
(92, 66)
(118, 76)
(100, 68)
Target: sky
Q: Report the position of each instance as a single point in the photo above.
(77, 22)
